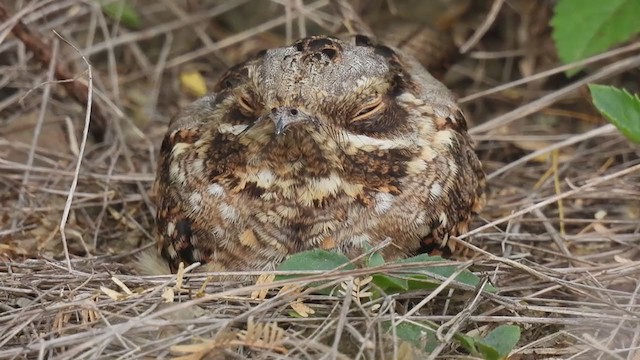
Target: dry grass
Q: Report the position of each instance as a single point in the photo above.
(560, 237)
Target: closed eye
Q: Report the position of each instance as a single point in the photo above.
(369, 110)
(246, 104)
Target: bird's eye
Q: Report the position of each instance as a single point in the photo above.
(368, 110)
(245, 103)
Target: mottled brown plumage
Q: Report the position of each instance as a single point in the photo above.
(325, 143)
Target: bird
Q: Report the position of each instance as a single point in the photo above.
(329, 143)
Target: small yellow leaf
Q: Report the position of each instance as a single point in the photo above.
(179, 276)
(622, 260)
(363, 281)
(168, 295)
(600, 214)
(261, 294)
(406, 351)
(114, 295)
(193, 82)
(201, 292)
(294, 289)
(121, 285)
(302, 309)
(601, 229)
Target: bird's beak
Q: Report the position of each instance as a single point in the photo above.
(285, 116)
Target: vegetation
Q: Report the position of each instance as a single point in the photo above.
(554, 264)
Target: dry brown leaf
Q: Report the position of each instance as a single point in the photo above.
(88, 316)
(261, 294)
(406, 351)
(601, 229)
(121, 285)
(360, 288)
(168, 295)
(120, 217)
(622, 260)
(301, 308)
(297, 305)
(179, 277)
(263, 336)
(600, 214)
(60, 320)
(201, 292)
(114, 295)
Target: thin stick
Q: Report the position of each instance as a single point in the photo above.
(541, 75)
(532, 107)
(76, 89)
(548, 201)
(352, 21)
(602, 130)
(83, 145)
(36, 132)
(342, 320)
(486, 24)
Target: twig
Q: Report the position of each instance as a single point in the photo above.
(83, 145)
(456, 323)
(602, 130)
(530, 108)
(541, 75)
(352, 21)
(342, 320)
(486, 24)
(75, 88)
(548, 201)
(36, 132)
(238, 37)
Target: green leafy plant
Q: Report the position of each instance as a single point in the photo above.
(418, 277)
(586, 27)
(421, 272)
(122, 11)
(420, 335)
(620, 107)
(496, 345)
(582, 28)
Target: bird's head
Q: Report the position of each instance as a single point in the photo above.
(324, 104)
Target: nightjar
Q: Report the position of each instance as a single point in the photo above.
(326, 143)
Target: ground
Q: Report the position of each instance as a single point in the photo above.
(559, 237)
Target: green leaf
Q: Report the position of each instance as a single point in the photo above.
(620, 107)
(123, 11)
(375, 259)
(294, 314)
(467, 342)
(422, 336)
(582, 28)
(390, 284)
(499, 342)
(487, 352)
(317, 259)
(495, 346)
(422, 279)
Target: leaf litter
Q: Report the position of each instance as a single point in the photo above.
(558, 240)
